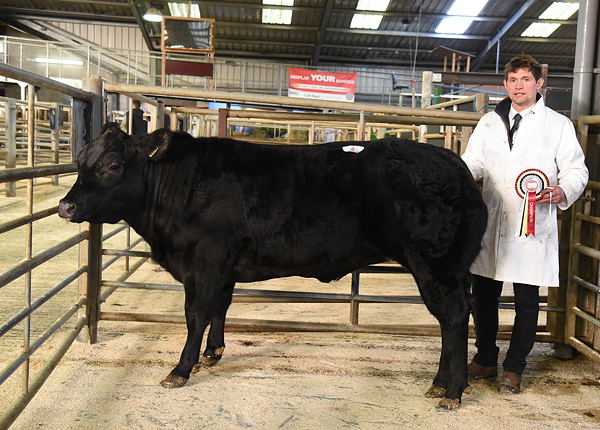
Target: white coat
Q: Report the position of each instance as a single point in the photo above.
(545, 141)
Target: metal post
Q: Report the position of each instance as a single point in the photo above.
(583, 72)
(28, 232)
(160, 115)
(360, 130)
(92, 254)
(11, 143)
(426, 86)
(222, 129)
(354, 292)
(174, 121)
(55, 136)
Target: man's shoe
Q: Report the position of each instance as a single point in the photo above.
(477, 371)
(511, 383)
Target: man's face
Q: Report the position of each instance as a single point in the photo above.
(522, 88)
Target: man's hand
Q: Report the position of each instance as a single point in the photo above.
(558, 195)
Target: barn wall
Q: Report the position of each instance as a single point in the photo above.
(110, 36)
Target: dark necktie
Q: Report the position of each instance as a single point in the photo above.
(517, 119)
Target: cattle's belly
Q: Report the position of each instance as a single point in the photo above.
(322, 266)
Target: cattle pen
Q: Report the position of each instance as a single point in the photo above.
(571, 319)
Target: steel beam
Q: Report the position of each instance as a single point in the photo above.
(322, 31)
(509, 23)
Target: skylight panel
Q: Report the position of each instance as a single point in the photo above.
(186, 10)
(560, 10)
(369, 21)
(376, 5)
(557, 10)
(454, 25)
(540, 29)
(277, 16)
(466, 7)
(459, 24)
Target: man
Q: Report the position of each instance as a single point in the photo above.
(529, 159)
(139, 126)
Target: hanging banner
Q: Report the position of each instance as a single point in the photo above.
(313, 84)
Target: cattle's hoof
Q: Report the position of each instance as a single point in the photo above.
(435, 392)
(208, 360)
(468, 389)
(448, 404)
(173, 381)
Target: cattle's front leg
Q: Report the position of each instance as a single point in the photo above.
(215, 342)
(197, 317)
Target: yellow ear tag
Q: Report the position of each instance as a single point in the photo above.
(153, 152)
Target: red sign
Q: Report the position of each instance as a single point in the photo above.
(313, 84)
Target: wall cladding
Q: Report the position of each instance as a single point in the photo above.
(110, 36)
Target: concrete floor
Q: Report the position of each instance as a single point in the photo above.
(271, 380)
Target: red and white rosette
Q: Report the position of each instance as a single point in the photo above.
(529, 185)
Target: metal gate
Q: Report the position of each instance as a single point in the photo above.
(582, 328)
(71, 319)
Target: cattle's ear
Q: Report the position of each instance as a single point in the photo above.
(156, 145)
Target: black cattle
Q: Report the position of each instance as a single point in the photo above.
(218, 211)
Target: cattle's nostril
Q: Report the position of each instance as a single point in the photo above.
(66, 209)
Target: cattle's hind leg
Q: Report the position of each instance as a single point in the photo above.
(448, 302)
(215, 342)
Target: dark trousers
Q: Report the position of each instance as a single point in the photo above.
(484, 305)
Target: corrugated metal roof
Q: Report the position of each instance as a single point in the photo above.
(320, 30)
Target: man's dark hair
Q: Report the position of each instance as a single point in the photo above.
(136, 104)
(523, 62)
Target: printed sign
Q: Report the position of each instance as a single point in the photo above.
(313, 84)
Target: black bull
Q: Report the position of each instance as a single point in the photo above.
(217, 211)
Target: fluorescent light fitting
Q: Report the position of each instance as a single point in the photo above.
(453, 25)
(153, 15)
(466, 7)
(370, 22)
(540, 29)
(58, 61)
(377, 5)
(277, 16)
(560, 10)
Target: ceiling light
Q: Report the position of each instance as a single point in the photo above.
(466, 7)
(459, 24)
(540, 29)
(360, 20)
(58, 61)
(560, 10)
(378, 5)
(277, 16)
(153, 15)
(454, 25)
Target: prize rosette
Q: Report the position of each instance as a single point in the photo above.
(529, 185)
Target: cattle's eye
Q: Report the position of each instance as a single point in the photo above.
(115, 167)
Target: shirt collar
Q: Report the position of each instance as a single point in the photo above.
(535, 108)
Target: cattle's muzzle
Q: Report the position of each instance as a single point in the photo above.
(66, 209)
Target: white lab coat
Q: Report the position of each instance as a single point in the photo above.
(546, 141)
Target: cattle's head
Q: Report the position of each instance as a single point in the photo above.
(109, 182)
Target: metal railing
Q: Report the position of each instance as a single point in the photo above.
(357, 118)
(143, 67)
(22, 271)
(52, 135)
(582, 328)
